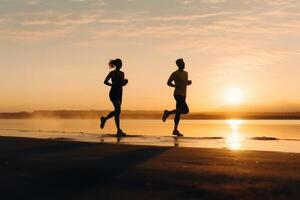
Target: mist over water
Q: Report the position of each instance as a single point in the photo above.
(270, 135)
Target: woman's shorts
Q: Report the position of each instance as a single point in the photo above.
(115, 96)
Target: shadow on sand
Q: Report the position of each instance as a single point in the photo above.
(39, 171)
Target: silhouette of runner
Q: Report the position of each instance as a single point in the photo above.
(179, 80)
(117, 82)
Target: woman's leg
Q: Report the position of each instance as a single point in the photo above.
(117, 105)
(112, 98)
(110, 115)
(104, 119)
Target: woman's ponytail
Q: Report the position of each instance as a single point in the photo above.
(111, 63)
(115, 63)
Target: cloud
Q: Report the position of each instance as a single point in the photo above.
(34, 34)
(264, 17)
(33, 2)
(57, 19)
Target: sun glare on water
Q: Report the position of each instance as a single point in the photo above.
(234, 140)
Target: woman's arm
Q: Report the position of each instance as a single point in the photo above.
(106, 81)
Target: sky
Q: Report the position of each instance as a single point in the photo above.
(54, 54)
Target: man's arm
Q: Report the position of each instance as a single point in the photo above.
(170, 81)
(189, 82)
(125, 81)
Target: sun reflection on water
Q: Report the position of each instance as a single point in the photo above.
(234, 140)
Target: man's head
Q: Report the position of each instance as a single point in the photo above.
(180, 63)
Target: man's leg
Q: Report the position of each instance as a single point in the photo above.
(172, 112)
(176, 121)
(167, 114)
(179, 111)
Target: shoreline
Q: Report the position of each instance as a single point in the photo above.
(59, 169)
(260, 144)
(118, 142)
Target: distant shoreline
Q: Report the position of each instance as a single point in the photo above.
(126, 114)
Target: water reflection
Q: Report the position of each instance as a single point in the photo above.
(234, 140)
(176, 142)
(119, 139)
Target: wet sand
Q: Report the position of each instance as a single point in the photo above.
(59, 169)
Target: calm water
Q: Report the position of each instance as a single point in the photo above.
(267, 135)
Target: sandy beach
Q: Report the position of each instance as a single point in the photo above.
(58, 169)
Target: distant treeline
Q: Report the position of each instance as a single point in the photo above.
(93, 114)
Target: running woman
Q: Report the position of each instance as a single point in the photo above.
(117, 82)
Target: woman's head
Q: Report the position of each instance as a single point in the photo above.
(117, 63)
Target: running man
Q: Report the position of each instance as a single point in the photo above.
(179, 80)
(118, 80)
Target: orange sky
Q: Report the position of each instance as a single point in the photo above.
(54, 54)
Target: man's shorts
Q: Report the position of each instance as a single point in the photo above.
(181, 105)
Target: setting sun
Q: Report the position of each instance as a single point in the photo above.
(234, 95)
